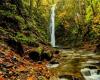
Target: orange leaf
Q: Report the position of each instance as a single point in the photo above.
(21, 68)
(1, 78)
(31, 78)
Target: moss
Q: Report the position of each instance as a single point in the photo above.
(21, 37)
(40, 50)
(9, 7)
(19, 18)
(5, 13)
(11, 15)
(46, 55)
(15, 19)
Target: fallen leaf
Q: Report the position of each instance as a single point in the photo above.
(1, 78)
(32, 78)
(21, 68)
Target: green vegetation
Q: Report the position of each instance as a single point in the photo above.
(79, 20)
(22, 21)
(25, 50)
(28, 21)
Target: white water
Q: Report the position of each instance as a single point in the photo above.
(52, 65)
(52, 25)
(90, 74)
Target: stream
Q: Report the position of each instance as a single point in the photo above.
(70, 62)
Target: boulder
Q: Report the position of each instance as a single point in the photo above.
(46, 55)
(34, 56)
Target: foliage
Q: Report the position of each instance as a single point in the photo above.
(27, 27)
(89, 13)
(21, 37)
(78, 20)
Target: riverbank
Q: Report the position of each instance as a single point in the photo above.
(15, 67)
(65, 63)
(71, 61)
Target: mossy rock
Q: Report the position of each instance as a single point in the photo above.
(46, 55)
(35, 53)
(40, 50)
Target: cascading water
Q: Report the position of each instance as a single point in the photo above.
(90, 74)
(52, 26)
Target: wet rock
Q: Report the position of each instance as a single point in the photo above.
(91, 67)
(67, 77)
(38, 54)
(98, 71)
(53, 64)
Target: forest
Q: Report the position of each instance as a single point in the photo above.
(49, 39)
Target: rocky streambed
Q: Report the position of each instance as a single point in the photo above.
(68, 64)
(65, 65)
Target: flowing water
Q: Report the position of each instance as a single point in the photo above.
(52, 25)
(90, 74)
(71, 62)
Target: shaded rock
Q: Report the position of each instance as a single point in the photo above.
(97, 50)
(98, 71)
(57, 52)
(91, 67)
(54, 62)
(34, 56)
(15, 45)
(39, 54)
(35, 53)
(46, 55)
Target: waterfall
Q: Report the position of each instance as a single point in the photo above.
(52, 25)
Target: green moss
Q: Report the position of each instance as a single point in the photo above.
(11, 15)
(21, 37)
(6, 13)
(40, 50)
